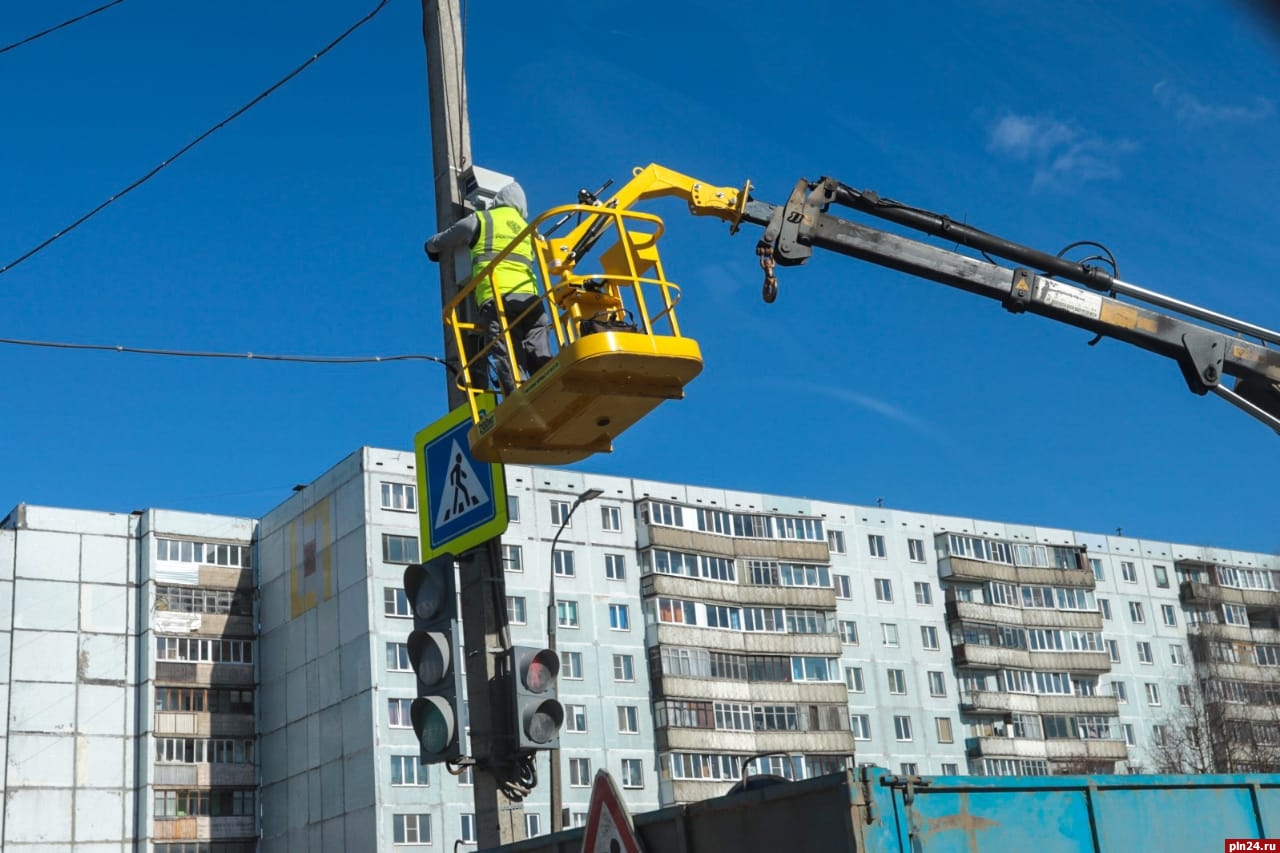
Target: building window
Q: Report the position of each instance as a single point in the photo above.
(517, 612)
(1144, 652)
(467, 831)
(628, 719)
(610, 517)
(571, 665)
(841, 583)
(623, 668)
(1153, 694)
(1096, 565)
(560, 513)
(532, 824)
(1168, 614)
(395, 602)
(1162, 576)
(398, 657)
(632, 773)
(915, 550)
(897, 681)
(1175, 655)
(950, 769)
(1128, 572)
(929, 637)
(512, 558)
(884, 589)
(861, 726)
(615, 567)
(411, 829)
(835, 541)
(853, 679)
(1129, 739)
(513, 508)
(575, 718)
(567, 614)
(924, 592)
(1120, 691)
(944, 729)
(875, 545)
(399, 496)
(902, 727)
(937, 684)
(909, 768)
(562, 560)
(1159, 734)
(399, 549)
(889, 633)
(405, 770)
(398, 713)
(1135, 612)
(579, 772)
(467, 778)
(1235, 614)
(619, 617)
(848, 632)
(1113, 650)
(577, 819)
(1104, 607)
(194, 599)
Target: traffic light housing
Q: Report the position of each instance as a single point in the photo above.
(436, 713)
(537, 711)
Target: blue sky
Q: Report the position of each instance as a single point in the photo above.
(297, 229)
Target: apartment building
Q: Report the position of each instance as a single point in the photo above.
(186, 683)
(129, 682)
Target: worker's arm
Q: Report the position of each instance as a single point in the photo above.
(461, 233)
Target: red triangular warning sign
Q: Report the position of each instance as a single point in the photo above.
(609, 828)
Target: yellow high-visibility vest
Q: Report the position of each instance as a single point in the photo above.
(514, 274)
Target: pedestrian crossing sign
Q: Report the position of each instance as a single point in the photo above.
(463, 501)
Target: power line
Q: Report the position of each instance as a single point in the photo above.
(68, 23)
(305, 359)
(193, 143)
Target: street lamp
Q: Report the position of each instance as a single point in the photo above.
(557, 817)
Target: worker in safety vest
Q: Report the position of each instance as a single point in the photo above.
(488, 232)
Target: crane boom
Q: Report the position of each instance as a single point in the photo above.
(1204, 353)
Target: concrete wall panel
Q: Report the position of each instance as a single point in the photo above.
(104, 608)
(41, 708)
(99, 815)
(40, 761)
(37, 815)
(100, 762)
(48, 555)
(44, 656)
(103, 657)
(105, 559)
(102, 710)
(45, 605)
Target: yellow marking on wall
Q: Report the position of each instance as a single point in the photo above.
(310, 559)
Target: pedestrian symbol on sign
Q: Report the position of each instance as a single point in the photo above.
(462, 491)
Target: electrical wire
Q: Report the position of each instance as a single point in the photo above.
(305, 359)
(193, 143)
(54, 29)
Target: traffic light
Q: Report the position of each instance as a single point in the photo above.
(437, 712)
(538, 714)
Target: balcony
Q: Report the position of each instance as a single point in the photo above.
(1056, 749)
(1207, 594)
(980, 571)
(996, 702)
(682, 586)
(976, 611)
(977, 655)
(727, 546)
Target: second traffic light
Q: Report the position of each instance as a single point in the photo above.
(537, 712)
(433, 645)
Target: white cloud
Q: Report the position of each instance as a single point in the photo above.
(1061, 154)
(1191, 111)
(880, 407)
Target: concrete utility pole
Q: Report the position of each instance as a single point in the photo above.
(499, 819)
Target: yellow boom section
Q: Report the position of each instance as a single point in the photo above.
(619, 351)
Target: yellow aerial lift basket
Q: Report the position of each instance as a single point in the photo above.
(619, 349)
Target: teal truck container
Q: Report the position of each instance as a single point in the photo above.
(872, 811)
